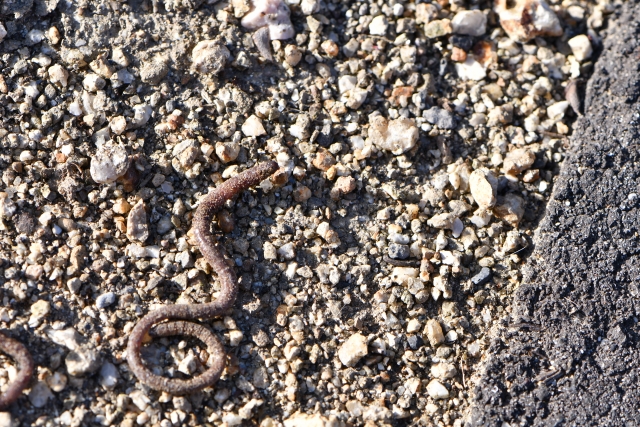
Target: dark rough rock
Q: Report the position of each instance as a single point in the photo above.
(569, 352)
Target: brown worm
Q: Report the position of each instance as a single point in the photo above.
(21, 355)
(229, 289)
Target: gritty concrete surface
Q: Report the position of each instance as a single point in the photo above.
(568, 353)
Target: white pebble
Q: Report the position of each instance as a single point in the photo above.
(581, 47)
(397, 136)
(93, 82)
(271, 13)
(118, 124)
(109, 375)
(353, 349)
(379, 25)
(437, 391)
(210, 57)
(39, 394)
(188, 365)
(470, 69)
(469, 22)
(57, 74)
(235, 337)
(75, 108)
(253, 127)
(109, 163)
(287, 251)
(457, 228)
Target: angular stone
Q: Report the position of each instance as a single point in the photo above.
(443, 370)
(437, 391)
(581, 47)
(343, 185)
(528, 19)
(253, 127)
(469, 22)
(434, 334)
(379, 25)
(439, 28)
(518, 161)
(397, 136)
(484, 187)
(510, 208)
(137, 225)
(353, 349)
(83, 360)
(440, 117)
(482, 277)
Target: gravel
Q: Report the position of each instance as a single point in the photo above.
(417, 145)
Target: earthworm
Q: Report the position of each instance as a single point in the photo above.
(229, 289)
(20, 354)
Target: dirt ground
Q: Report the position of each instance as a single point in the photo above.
(418, 143)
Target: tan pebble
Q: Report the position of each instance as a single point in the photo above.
(401, 96)
(121, 206)
(330, 48)
(137, 225)
(33, 272)
(120, 224)
(292, 55)
(531, 175)
(353, 349)
(227, 151)
(518, 160)
(343, 185)
(484, 187)
(458, 55)
(323, 160)
(434, 334)
(301, 194)
(53, 35)
(279, 178)
(510, 208)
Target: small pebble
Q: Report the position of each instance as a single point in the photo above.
(484, 188)
(105, 300)
(137, 223)
(433, 330)
(82, 361)
(379, 25)
(109, 163)
(397, 136)
(581, 47)
(40, 394)
(437, 391)
(482, 277)
(253, 127)
(397, 251)
(209, 57)
(109, 375)
(353, 349)
(469, 22)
